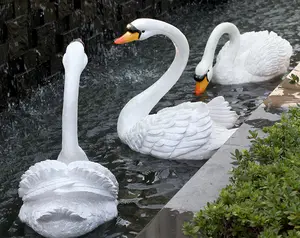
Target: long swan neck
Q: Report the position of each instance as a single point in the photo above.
(217, 33)
(141, 105)
(69, 115)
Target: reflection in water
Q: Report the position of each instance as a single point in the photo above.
(32, 132)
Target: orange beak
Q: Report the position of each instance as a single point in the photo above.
(127, 37)
(201, 86)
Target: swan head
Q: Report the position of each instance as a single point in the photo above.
(75, 58)
(202, 76)
(139, 29)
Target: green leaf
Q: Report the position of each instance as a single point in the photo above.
(294, 79)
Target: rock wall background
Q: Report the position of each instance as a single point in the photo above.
(34, 34)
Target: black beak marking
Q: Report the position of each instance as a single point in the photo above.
(132, 29)
(200, 78)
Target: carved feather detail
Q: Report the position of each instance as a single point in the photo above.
(60, 214)
(52, 176)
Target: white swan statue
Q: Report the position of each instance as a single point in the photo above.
(70, 196)
(247, 58)
(187, 131)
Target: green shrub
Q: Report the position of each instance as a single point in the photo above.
(263, 197)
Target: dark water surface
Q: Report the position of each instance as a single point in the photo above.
(32, 132)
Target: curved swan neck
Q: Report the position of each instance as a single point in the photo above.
(140, 106)
(217, 33)
(69, 115)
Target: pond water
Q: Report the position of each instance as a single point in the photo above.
(32, 132)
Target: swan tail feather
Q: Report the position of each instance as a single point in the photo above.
(220, 135)
(221, 113)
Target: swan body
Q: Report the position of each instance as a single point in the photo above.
(246, 58)
(186, 131)
(70, 196)
(190, 131)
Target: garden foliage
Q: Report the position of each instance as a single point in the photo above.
(263, 197)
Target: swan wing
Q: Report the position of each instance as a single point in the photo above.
(219, 111)
(173, 131)
(269, 55)
(100, 170)
(92, 178)
(40, 173)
